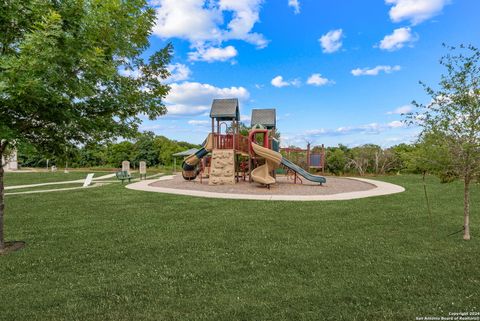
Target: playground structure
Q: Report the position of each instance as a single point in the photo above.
(307, 158)
(227, 156)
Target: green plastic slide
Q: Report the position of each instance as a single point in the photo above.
(300, 171)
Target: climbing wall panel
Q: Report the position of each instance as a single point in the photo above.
(222, 168)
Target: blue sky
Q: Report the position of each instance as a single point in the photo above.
(337, 71)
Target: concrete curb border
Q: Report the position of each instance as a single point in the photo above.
(381, 188)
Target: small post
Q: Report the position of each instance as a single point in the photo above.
(218, 134)
(213, 132)
(308, 155)
(234, 132)
(249, 166)
(323, 159)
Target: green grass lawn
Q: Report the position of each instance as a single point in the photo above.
(110, 253)
(12, 179)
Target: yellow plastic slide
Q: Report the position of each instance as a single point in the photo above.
(273, 159)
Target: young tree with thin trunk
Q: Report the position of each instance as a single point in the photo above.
(71, 73)
(452, 120)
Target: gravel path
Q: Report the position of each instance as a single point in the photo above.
(283, 186)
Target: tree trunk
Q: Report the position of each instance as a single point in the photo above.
(466, 209)
(2, 205)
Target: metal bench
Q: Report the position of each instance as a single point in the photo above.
(123, 175)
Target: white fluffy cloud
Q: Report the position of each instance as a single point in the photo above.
(398, 39)
(314, 80)
(246, 13)
(195, 122)
(295, 4)
(331, 41)
(361, 134)
(193, 98)
(416, 11)
(371, 128)
(374, 71)
(213, 54)
(318, 80)
(178, 72)
(401, 110)
(150, 127)
(279, 82)
(395, 124)
(187, 19)
(186, 110)
(202, 22)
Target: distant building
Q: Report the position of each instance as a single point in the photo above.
(10, 163)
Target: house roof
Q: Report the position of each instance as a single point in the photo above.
(264, 117)
(225, 109)
(187, 152)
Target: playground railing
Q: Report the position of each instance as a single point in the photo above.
(226, 141)
(223, 141)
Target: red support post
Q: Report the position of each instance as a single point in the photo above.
(308, 156)
(323, 159)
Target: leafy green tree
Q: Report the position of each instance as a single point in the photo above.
(428, 155)
(166, 148)
(61, 79)
(336, 160)
(28, 156)
(362, 158)
(403, 156)
(371, 158)
(117, 153)
(143, 150)
(452, 120)
(91, 155)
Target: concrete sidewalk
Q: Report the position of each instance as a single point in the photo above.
(381, 188)
(55, 190)
(60, 183)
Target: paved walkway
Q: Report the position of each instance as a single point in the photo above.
(54, 190)
(99, 181)
(381, 188)
(60, 183)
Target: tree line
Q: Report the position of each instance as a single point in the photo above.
(371, 159)
(368, 159)
(154, 150)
